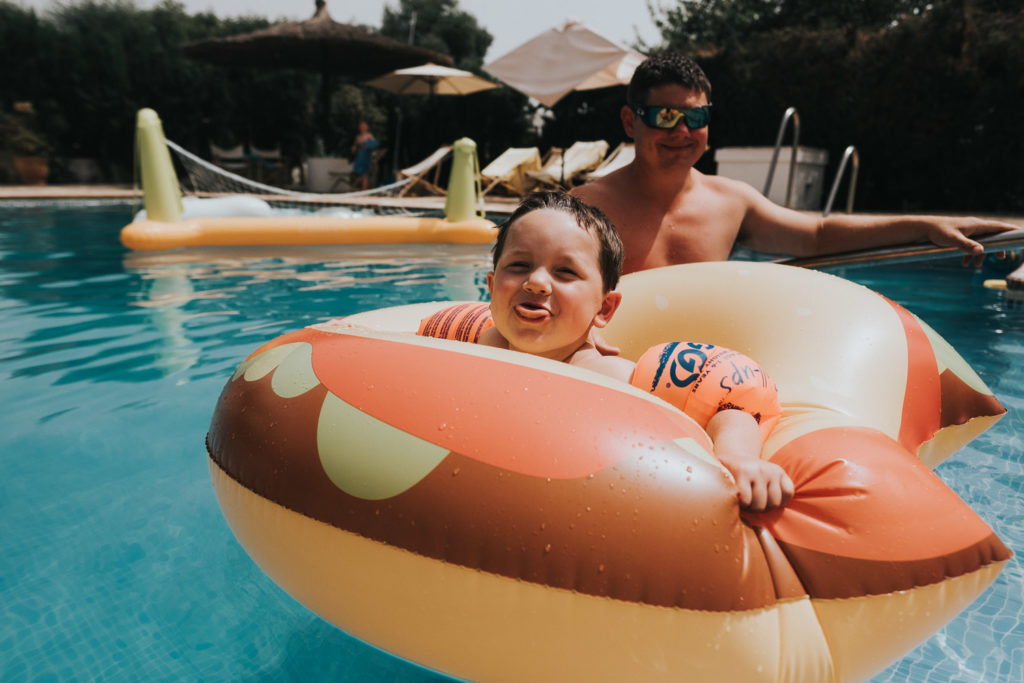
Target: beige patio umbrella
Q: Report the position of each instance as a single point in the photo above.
(431, 79)
(562, 59)
(427, 79)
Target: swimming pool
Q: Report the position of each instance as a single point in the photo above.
(117, 564)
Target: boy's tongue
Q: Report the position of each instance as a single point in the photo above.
(531, 312)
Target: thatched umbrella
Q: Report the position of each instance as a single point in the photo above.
(318, 44)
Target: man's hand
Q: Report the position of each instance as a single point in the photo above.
(949, 231)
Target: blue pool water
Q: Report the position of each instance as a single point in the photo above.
(116, 563)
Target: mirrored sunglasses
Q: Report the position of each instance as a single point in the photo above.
(668, 117)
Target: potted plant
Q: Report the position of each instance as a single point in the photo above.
(20, 135)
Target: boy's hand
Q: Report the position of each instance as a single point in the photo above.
(763, 485)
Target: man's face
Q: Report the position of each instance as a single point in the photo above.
(668, 149)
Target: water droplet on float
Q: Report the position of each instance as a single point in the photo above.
(547, 548)
(443, 426)
(600, 568)
(455, 472)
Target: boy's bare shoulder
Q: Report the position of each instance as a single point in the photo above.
(612, 366)
(491, 337)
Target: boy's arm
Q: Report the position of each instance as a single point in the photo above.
(763, 485)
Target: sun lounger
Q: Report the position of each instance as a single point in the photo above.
(578, 159)
(621, 156)
(509, 170)
(230, 159)
(417, 172)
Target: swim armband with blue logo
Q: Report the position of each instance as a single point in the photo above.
(704, 379)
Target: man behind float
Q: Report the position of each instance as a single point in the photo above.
(668, 212)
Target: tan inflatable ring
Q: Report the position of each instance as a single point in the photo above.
(498, 516)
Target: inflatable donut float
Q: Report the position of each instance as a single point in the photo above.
(501, 517)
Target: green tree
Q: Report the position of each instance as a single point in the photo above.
(702, 25)
(495, 119)
(441, 26)
(927, 92)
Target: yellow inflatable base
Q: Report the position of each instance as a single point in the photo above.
(284, 230)
(432, 613)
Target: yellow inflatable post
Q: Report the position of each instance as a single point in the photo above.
(463, 197)
(160, 193)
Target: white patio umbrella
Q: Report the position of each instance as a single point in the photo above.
(563, 59)
(431, 79)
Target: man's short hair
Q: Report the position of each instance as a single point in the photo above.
(589, 218)
(666, 68)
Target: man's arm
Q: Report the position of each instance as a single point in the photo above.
(847, 233)
(773, 229)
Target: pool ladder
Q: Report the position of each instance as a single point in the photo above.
(791, 114)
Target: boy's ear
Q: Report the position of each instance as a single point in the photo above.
(628, 117)
(490, 282)
(609, 305)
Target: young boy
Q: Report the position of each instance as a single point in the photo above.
(557, 262)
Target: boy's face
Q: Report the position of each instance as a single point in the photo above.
(546, 289)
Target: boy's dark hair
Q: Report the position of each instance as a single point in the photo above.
(589, 218)
(666, 68)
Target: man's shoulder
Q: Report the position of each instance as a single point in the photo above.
(602, 187)
(727, 186)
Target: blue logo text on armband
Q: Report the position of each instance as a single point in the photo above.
(690, 359)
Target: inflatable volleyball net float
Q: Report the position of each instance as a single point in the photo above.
(201, 178)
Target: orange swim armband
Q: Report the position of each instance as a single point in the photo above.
(703, 379)
(463, 322)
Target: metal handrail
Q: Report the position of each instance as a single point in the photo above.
(791, 113)
(850, 153)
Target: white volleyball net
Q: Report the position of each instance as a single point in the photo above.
(202, 178)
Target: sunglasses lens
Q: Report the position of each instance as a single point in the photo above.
(663, 117)
(667, 117)
(697, 117)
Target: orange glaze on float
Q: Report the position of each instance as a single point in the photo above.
(499, 516)
(699, 379)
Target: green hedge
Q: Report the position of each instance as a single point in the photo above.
(933, 105)
(88, 67)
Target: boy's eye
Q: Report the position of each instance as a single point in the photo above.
(569, 272)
